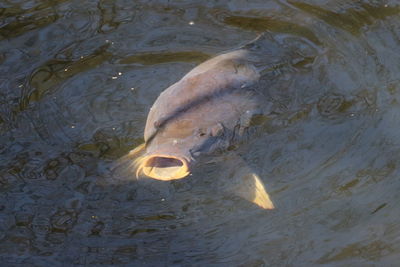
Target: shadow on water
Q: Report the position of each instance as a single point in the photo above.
(353, 19)
(78, 79)
(270, 24)
(158, 58)
(54, 72)
(20, 20)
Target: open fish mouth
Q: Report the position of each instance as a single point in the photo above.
(164, 167)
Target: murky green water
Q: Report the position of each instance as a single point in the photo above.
(77, 79)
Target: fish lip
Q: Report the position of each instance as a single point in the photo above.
(148, 167)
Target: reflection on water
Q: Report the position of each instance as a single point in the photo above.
(77, 80)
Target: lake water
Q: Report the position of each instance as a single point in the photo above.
(77, 79)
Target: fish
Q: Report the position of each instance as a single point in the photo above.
(209, 111)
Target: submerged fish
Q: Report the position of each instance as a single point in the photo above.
(208, 110)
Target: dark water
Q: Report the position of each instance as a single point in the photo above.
(77, 79)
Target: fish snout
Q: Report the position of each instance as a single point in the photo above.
(165, 167)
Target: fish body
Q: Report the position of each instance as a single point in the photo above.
(207, 110)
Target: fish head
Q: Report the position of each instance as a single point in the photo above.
(175, 149)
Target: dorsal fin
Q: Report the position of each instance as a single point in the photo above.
(266, 44)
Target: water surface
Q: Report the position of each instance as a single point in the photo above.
(77, 79)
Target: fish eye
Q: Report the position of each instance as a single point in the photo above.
(201, 132)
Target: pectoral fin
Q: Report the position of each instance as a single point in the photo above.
(252, 189)
(245, 183)
(127, 166)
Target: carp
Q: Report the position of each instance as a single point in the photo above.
(209, 110)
